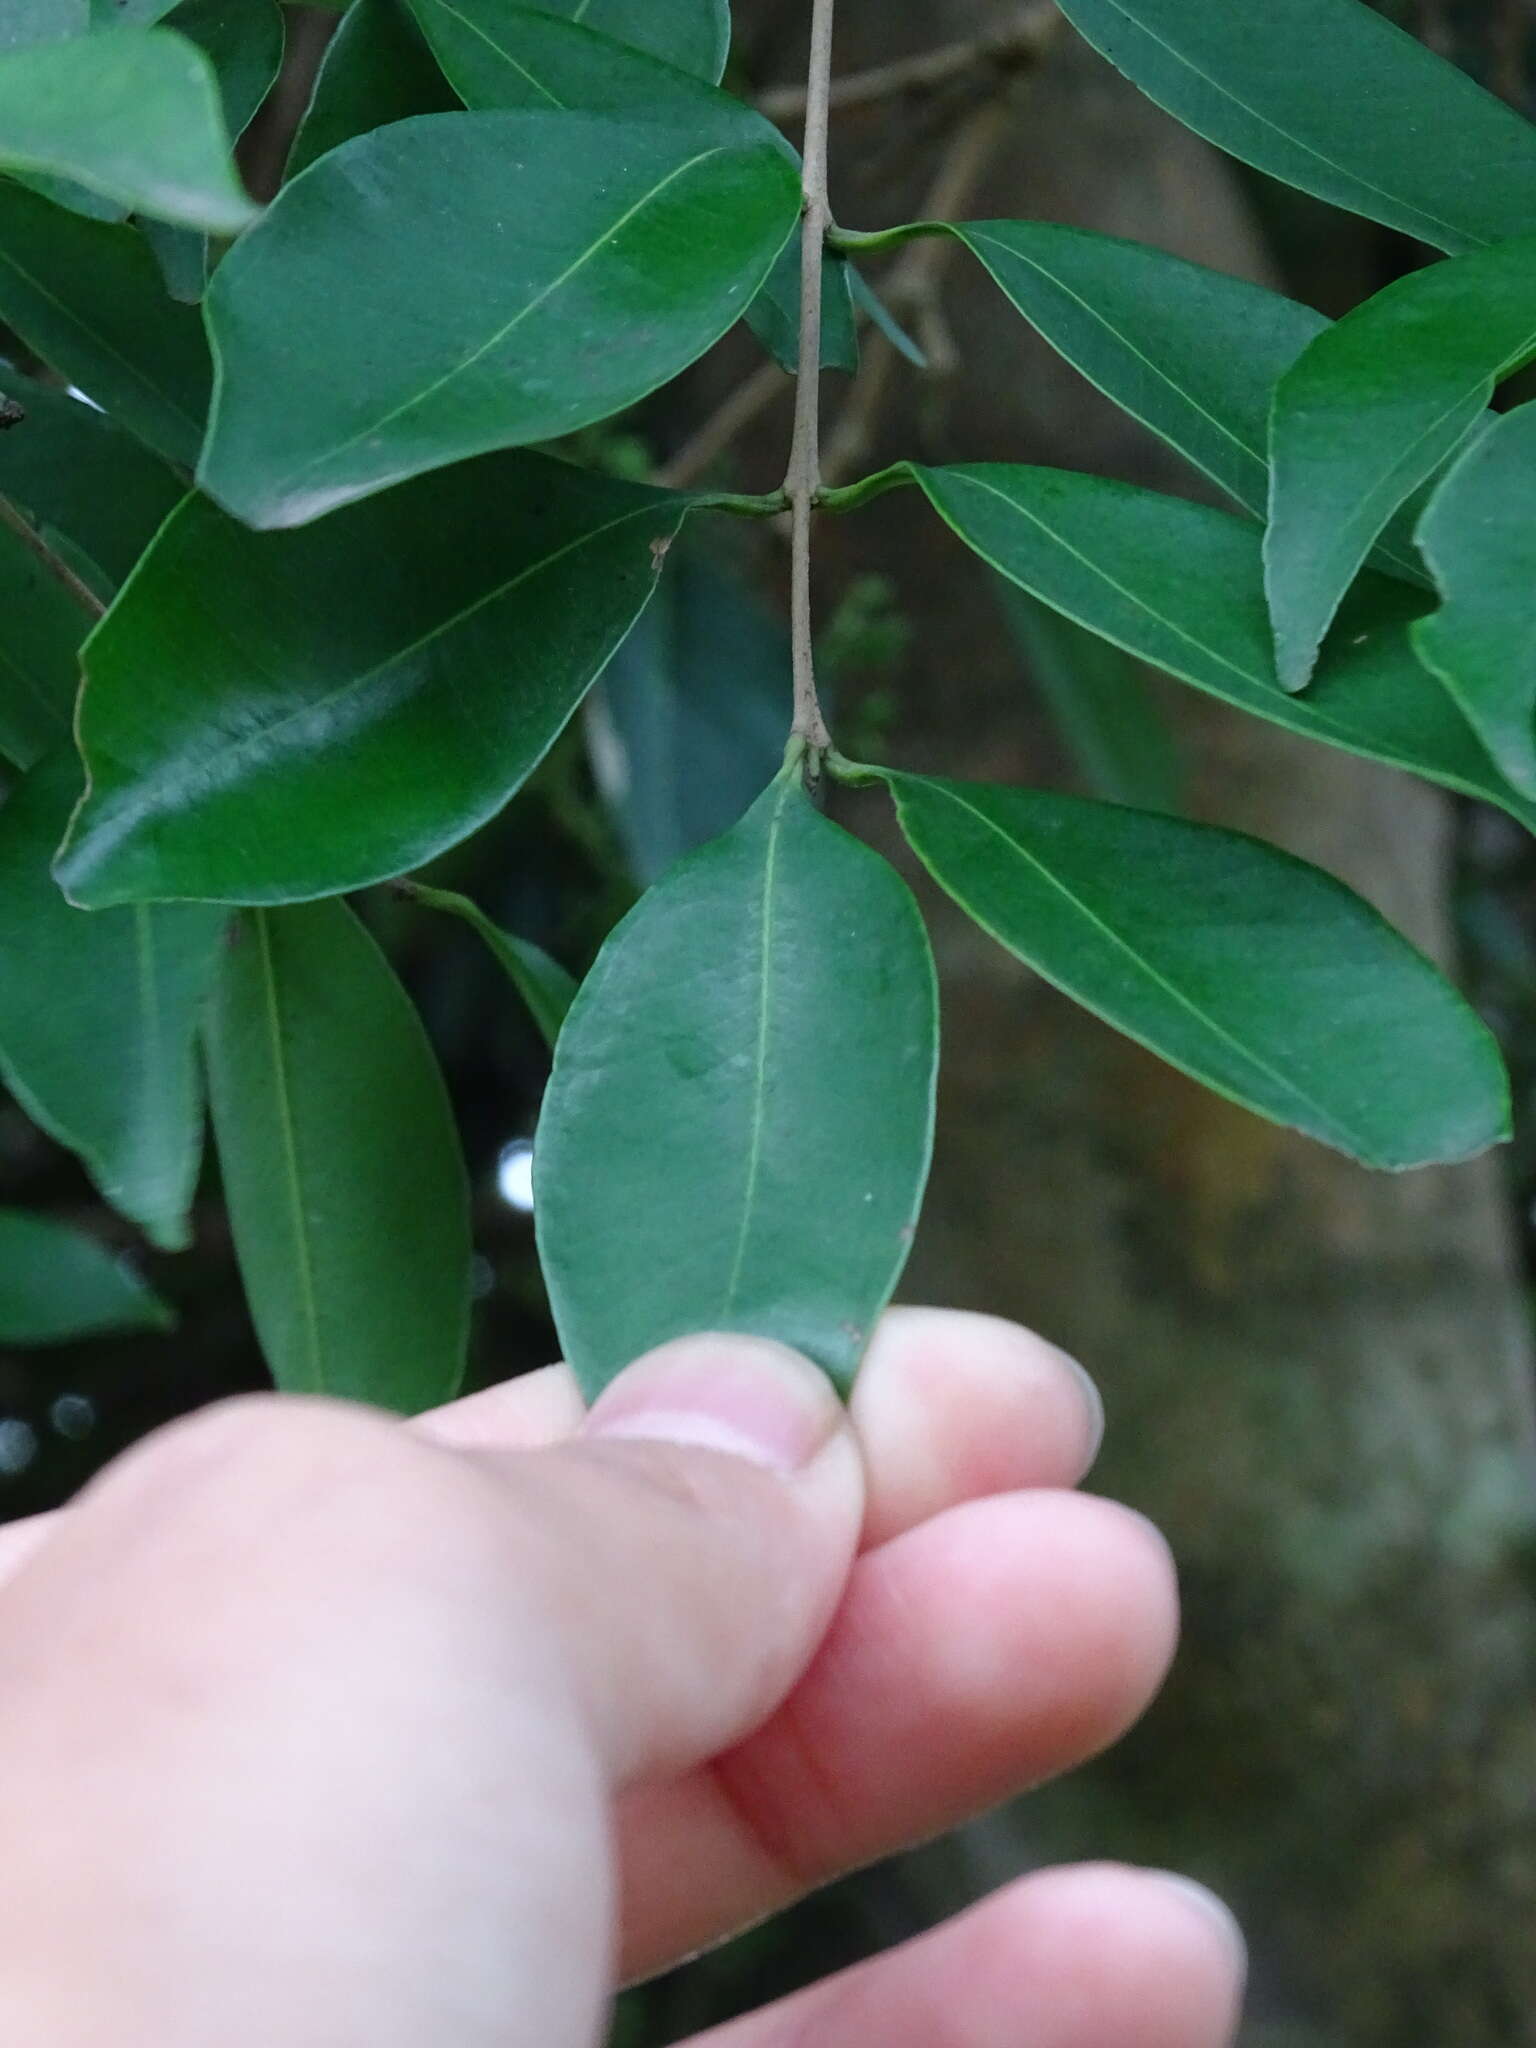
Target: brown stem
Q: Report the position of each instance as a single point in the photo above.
(1006, 46)
(803, 479)
(13, 517)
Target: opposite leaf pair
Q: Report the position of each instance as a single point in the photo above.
(738, 1129)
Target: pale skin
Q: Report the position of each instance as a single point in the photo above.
(318, 1730)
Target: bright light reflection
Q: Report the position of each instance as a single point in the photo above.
(18, 1446)
(514, 1175)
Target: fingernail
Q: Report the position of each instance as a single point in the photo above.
(745, 1396)
(1094, 1402)
(1216, 1911)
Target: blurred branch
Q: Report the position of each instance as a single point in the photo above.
(911, 287)
(11, 516)
(1007, 46)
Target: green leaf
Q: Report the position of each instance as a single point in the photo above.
(690, 719)
(497, 55)
(330, 721)
(42, 21)
(1259, 975)
(128, 13)
(737, 1132)
(542, 983)
(1100, 704)
(76, 472)
(97, 1013)
(868, 301)
(695, 35)
(134, 116)
(1369, 411)
(774, 315)
(1333, 99)
(41, 627)
(342, 1168)
(1191, 353)
(243, 40)
(493, 335)
(88, 299)
(57, 1285)
(1479, 538)
(1181, 586)
(377, 69)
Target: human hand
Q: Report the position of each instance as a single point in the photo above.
(319, 1730)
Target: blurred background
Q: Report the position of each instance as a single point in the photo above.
(1318, 1380)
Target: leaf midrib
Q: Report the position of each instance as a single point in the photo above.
(1462, 235)
(333, 454)
(129, 815)
(504, 53)
(1152, 973)
(760, 1065)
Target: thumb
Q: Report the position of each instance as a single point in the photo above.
(689, 1548)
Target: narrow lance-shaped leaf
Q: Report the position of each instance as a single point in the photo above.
(88, 299)
(1190, 352)
(1259, 975)
(1369, 411)
(341, 1165)
(97, 1014)
(57, 1285)
(542, 983)
(1331, 98)
(737, 1133)
(77, 472)
(275, 717)
(1479, 537)
(1181, 586)
(688, 724)
(134, 116)
(377, 68)
(41, 627)
(568, 229)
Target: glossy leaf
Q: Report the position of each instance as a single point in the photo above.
(691, 716)
(1330, 97)
(1369, 411)
(41, 628)
(97, 1013)
(695, 35)
(737, 1132)
(134, 116)
(243, 41)
(498, 55)
(342, 1170)
(774, 315)
(568, 229)
(1259, 975)
(377, 68)
(332, 721)
(1191, 353)
(42, 21)
(128, 13)
(58, 1284)
(1479, 537)
(1099, 702)
(868, 301)
(88, 299)
(74, 471)
(543, 984)
(1181, 586)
